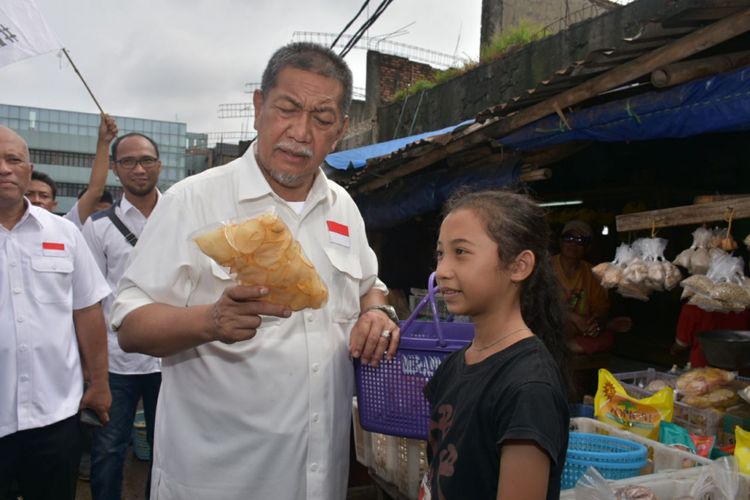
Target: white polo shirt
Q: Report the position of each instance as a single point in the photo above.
(74, 216)
(47, 273)
(267, 418)
(111, 251)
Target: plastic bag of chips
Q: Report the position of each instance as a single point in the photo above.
(262, 252)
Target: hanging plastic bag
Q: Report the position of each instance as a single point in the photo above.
(262, 251)
(613, 405)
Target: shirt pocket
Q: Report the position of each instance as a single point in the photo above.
(343, 292)
(52, 279)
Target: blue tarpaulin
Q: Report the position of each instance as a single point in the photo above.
(357, 157)
(720, 103)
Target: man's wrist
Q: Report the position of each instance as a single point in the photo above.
(386, 309)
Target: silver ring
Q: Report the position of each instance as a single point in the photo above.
(386, 334)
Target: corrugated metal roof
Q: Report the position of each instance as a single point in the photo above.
(652, 36)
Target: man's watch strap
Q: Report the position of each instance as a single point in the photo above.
(390, 311)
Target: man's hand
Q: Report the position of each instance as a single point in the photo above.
(367, 340)
(107, 129)
(236, 315)
(98, 398)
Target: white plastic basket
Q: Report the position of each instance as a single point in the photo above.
(667, 485)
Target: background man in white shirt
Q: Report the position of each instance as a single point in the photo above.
(132, 376)
(255, 400)
(42, 191)
(52, 331)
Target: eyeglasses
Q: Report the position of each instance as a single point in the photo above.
(578, 240)
(146, 162)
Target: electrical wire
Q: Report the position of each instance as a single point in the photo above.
(365, 26)
(364, 6)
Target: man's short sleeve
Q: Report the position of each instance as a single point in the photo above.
(89, 285)
(536, 413)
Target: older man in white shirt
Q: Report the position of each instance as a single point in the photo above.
(256, 400)
(52, 332)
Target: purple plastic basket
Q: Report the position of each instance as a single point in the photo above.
(391, 397)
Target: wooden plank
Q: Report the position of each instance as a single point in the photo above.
(684, 216)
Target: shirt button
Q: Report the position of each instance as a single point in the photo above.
(315, 417)
(23, 378)
(310, 318)
(12, 263)
(20, 319)
(17, 290)
(22, 347)
(315, 367)
(314, 467)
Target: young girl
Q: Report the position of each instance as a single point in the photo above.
(499, 424)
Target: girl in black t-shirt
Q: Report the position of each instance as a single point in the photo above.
(499, 423)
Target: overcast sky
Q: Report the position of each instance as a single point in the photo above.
(180, 59)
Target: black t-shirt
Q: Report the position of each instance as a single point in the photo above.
(516, 393)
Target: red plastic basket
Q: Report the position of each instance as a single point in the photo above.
(391, 397)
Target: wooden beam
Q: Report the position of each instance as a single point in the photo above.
(684, 216)
(684, 71)
(540, 174)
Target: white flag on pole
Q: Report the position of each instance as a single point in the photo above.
(23, 32)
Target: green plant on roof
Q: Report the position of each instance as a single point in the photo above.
(521, 34)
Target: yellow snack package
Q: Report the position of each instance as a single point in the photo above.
(262, 251)
(613, 405)
(742, 449)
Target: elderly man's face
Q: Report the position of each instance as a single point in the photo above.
(298, 122)
(15, 168)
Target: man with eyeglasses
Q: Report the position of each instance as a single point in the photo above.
(111, 235)
(51, 333)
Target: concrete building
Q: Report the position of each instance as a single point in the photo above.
(62, 144)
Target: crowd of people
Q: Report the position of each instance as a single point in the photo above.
(112, 304)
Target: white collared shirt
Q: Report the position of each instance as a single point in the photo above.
(267, 418)
(111, 251)
(74, 216)
(47, 273)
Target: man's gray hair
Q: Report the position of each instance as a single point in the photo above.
(309, 57)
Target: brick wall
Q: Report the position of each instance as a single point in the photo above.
(397, 73)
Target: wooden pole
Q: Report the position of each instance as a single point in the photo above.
(684, 71)
(695, 42)
(684, 216)
(65, 51)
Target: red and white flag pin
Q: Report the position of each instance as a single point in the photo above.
(53, 249)
(339, 234)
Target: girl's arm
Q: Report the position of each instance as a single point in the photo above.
(524, 471)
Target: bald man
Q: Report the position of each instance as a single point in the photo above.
(52, 332)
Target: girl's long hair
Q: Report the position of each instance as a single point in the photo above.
(516, 223)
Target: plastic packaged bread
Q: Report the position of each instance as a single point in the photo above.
(261, 251)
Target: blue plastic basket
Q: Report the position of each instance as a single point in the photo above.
(391, 397)
(141, 448)
(613, 457)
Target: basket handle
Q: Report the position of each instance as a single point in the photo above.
(432, 289)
